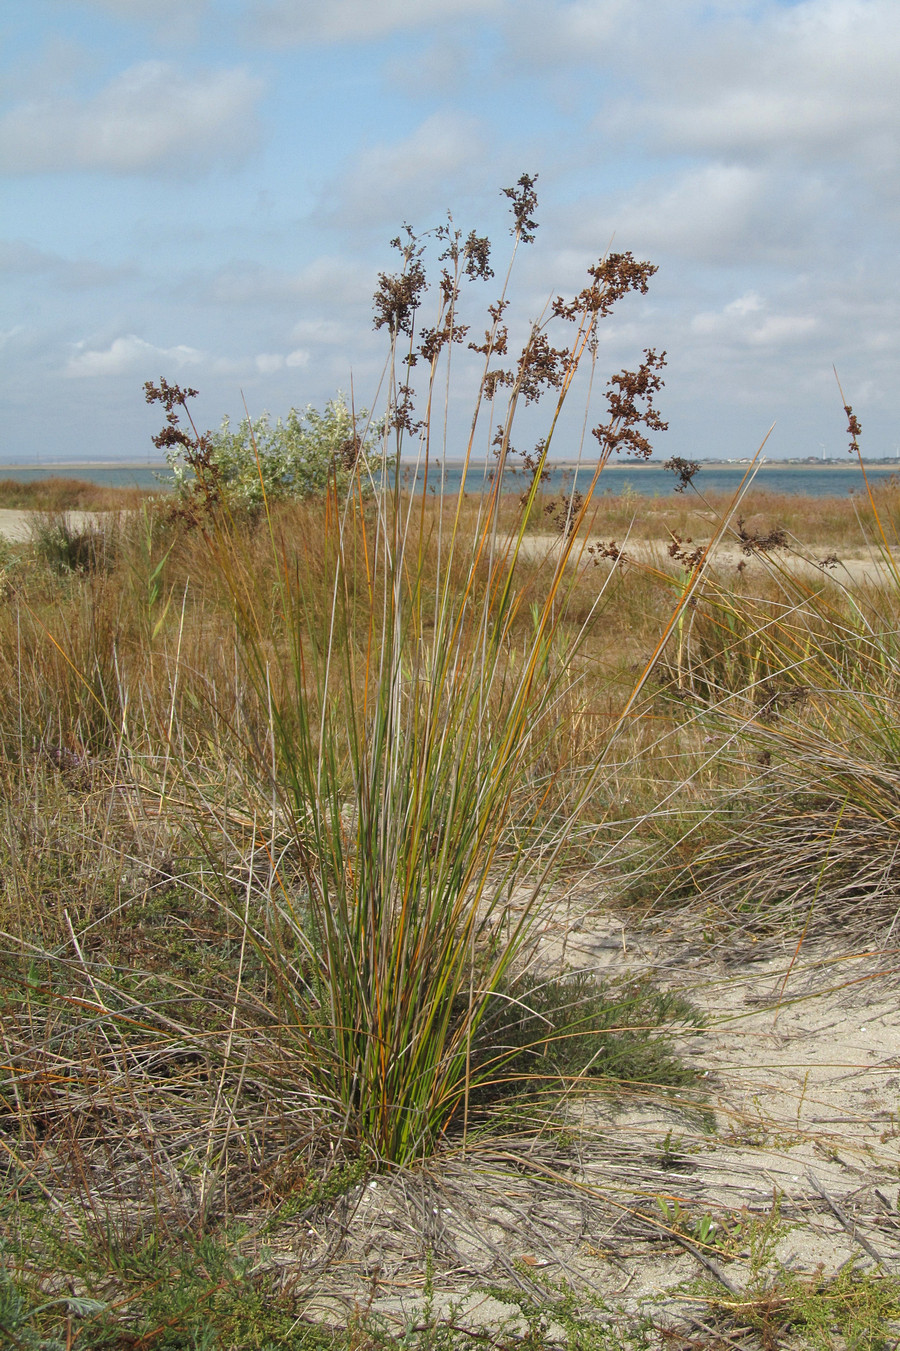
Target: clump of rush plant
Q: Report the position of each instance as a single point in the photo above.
(802, 683)
(399, 773)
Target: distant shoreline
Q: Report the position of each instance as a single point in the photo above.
(631, 466)
(46, 465)
(641, 466)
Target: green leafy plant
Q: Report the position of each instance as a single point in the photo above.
(22, 1314)
(299, 456)
(813, 1309)
(148, 572)
(703, 1230)
(544, 1036)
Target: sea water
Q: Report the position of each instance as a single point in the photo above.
(651, 480)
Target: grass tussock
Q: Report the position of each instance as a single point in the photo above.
(796, 682)
(344, 721)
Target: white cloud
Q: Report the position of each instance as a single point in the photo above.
(738, 79)
(743, 321)
(816, 80)
(20, 259)
(127, 355)
(447, 66)
(560, 34)
(325, 331)
(177, 23)
(150, 118)
(393, 180)
(778, 329)
(289, 21)
(131, 355)
(749, 303)
(327, 279)
(749, 147)
(270, 362)
(715, 213)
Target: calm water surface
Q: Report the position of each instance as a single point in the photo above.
(646, 480)
(654, 481)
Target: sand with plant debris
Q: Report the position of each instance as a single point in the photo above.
(800, 1059)
(865, 565)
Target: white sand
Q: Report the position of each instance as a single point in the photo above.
(16, 525)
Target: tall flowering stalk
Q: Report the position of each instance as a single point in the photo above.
(407, 728)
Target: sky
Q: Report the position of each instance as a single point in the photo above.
(206, 190)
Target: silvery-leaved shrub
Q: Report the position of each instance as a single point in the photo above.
(293, 457)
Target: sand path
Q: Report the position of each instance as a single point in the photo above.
(800, 1058)
(861, 565)
(16, 525)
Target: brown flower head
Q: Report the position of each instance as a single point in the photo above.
(624, 394)
(524, 203)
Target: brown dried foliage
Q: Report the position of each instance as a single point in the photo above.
(624, 395)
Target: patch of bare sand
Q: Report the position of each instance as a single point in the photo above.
(800, 1061)
(863, 565)
(16, 525)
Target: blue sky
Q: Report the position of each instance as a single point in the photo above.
(205, 189)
